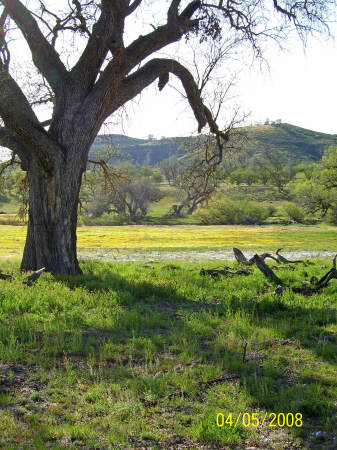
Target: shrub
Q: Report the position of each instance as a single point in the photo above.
(106, 219)
(294, 212)
(332, 215)
(224, 211)
(271, 209)
(157, 177)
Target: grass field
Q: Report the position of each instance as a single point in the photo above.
(173, 238)
(128, 356)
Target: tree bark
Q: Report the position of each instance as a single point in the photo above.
(53, 204)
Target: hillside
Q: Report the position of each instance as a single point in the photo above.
(301, 144)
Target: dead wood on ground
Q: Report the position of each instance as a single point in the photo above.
(225, 271)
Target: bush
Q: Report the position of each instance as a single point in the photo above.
(332, 215)
(271, 209)
(223, 211)
(157, 177)
(294, 212)
(106, 219)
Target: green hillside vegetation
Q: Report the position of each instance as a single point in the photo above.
(283, 174)
(301, 144)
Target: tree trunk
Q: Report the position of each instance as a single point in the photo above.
(53, 204)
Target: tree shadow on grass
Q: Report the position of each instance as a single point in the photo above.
(275, 388)
(153, 318)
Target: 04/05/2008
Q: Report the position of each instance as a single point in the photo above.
(254, 420)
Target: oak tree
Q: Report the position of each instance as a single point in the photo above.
(86, 87)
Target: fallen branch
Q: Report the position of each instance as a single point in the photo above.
(284, 260)
(219, 379)
(241, 259)
(4, 276)
(225, 271)
(317, 285)
(262, 266)
(33, 277)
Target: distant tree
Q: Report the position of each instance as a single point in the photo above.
(195, 182)
(306, 169)
(329, 168)
(243, 175)
(94, 198)
(315, 197)
(276, 164)
(133, 199)
(263, 175)
(318, 191)
(170, 168)
(145, 172)
(195, 191)
(157, 177)
(17, 180)
(293, 212)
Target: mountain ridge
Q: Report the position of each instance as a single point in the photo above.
(302, 145)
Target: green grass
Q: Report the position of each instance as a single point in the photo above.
(115, 358)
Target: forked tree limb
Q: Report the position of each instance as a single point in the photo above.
(240, 257)
(262, 266)
(320, 284)
(284, 260)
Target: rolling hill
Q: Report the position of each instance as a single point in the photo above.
(300, 144)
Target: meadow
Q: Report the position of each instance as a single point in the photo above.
(146, 238)
(147, 355)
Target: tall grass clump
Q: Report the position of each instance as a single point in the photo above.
(224, 211)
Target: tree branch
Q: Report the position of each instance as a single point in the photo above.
(134, 5)
(173, 11)
(92, 58)
(44, 55)
(11, 141)
(19, 117)
(107, 34)
(156, 68)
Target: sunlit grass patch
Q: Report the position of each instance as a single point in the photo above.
(127, 355)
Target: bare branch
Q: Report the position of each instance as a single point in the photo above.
(155, 68)
(11, 141)
(4, 51)
(134, 5)
(11, 162)
(173, 12)
(44, 55)
(107, 34)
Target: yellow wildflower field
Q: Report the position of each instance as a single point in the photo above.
(189, 237)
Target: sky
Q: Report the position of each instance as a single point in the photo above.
(298, 87)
